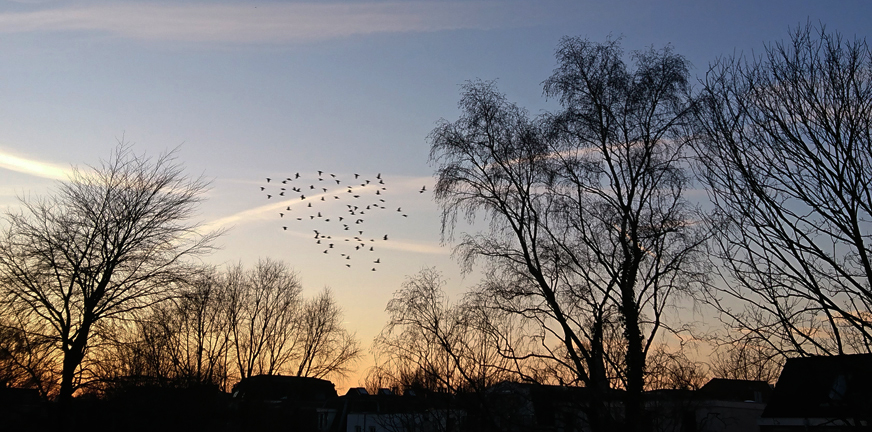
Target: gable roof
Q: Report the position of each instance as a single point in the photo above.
(835, 387)
(736, 390)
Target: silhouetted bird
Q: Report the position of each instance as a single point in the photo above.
(355, 176)
(377, 260)
(286, 228)
(268, 179)
(281, 215)
(268, 196)
(386, 236)
(262, 188)
(320, 172)
(423, 188)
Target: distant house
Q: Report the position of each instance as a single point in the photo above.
(832, 393)
(359, 411)
(729, 405)
(720, 406)
(276, 402)
(525, 407)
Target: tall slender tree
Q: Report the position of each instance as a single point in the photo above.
(590, 234)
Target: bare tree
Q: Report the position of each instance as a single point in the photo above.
(325, 347)
(747, 359)
(264, 304)
(108, 242)
(195, 331)
(785, 151)
(431, 344)
(28, 358)
(591, 237)
(673, 369)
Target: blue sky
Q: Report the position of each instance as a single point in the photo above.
(255, 89)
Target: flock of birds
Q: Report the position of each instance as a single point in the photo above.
(342, 235)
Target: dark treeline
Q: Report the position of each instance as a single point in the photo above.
(595, 247)
(102, 290)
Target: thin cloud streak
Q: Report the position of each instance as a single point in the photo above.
(267, 22)
(34, 167)
(268, 212)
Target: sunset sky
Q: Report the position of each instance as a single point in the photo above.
(249, 89)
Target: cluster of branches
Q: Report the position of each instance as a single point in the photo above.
(100, 281)
(590, 238)
(432, 344)
(235, 324)
(785, 152)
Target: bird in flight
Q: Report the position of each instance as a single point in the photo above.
(358, 188)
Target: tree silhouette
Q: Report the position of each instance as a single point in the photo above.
(785, 151)
(108, 242)
(590, 235)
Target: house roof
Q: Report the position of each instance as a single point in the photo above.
(837, 387)
(286, 388)
(736, 390)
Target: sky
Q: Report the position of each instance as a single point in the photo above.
(245, 90)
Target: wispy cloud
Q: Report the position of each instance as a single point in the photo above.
(266, 22)
(268, 212)
(34, 167)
